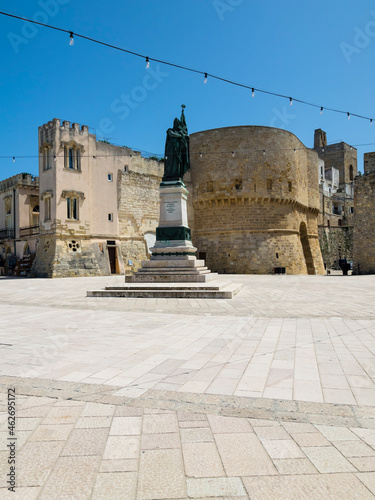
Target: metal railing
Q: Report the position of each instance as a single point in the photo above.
(6, 234)
(29, 231)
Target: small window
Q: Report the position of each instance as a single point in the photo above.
(72, 158)
(110, 217)
(110, 177)
(351, 173)
(351, 210)
(125, 168)
(290, 185)
(72, 208)
(47, 209)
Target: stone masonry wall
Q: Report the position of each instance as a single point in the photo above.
(138, 199)
(252, 190)
(364, 224)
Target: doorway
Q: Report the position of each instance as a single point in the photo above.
(306, 249)
(112, 254)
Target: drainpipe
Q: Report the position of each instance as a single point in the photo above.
(14, 220)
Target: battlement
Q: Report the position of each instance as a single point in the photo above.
(56, 123)
(19, 180)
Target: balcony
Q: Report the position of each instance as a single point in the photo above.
(6, 234)
(29, 231)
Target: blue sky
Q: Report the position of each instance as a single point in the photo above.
(318, 51)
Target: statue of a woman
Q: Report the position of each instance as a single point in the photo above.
(177, 161)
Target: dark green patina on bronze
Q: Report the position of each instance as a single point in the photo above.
(177, 158)
(173, 233)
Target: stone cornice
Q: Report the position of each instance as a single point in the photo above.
(253, 200)
(73, 193)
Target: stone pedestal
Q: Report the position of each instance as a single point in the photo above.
(173, 270)
(173, 255)
(173, 236)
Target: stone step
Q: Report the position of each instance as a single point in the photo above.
(226, 292)
(188, 263)
(167, 286)
(168, 270)
(170, 278)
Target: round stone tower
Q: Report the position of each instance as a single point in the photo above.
(255, 201)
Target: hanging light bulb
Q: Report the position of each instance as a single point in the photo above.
(147, 63)
(264, 152)
(252, 92)
(348, 116)
(295, 150)
(232, 154)
(54, 157)
(291, 101)
(205, 78)
(71, 40)
(321, 110)
(200, 155)
(94, 157)
(14, 159)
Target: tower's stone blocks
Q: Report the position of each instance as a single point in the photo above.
(255, 197)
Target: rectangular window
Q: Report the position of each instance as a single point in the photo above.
(110, 177)
(71, 158)
(110, 217)
(72, 208)
(290, 185)
(78, 159)
(47, 208)
(46, 159)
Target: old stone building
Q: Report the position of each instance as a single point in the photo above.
(93, 210)
(19, 218)
(337, 171)
(364, 218)
(255, 201)
(256, 197)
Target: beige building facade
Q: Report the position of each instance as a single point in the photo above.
(91, 221)
(337, 172)
(19, 220)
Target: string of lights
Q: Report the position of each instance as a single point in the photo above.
(160, 156)
(205, 74)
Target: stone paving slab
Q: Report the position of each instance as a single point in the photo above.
(141, 453)
(268, 395)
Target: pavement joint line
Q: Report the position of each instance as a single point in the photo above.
(235, 406)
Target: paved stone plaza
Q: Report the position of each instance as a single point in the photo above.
(269, 395)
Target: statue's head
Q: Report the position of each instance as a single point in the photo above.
(176, 123)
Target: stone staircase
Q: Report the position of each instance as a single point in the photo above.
(172, 278)
(216, 290)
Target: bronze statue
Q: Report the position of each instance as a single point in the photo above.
(177, 161)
